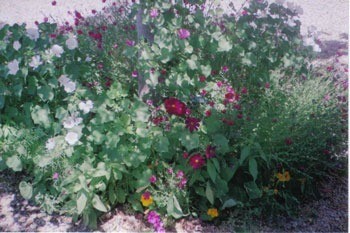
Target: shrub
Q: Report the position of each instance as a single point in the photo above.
(215, 111)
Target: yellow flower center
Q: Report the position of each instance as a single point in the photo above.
(213, 212)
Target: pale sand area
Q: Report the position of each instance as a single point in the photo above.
(331, 17)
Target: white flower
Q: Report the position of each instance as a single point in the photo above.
(35, 62)
(291, 23)
(33, 33)
(13, 67)
(50, 144)
(86, 106)
(72, 42)
(71, 138)
(253, 25)
(56, 50)
(16, 45)
(70, 87)
(261, 14)
(72, 121)
(309, 41)
(88, 59)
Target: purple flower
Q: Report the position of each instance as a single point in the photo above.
(55, 176)
(180, 174)
(182, 183)
(130, 43)
(224, 69)
(154, 219)
(135, 74)
(153, 179)
(154, 13)
(183, 33)
(210, 152)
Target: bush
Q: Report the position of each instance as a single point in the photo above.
(214, 111)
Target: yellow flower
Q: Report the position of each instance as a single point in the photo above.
(283, 177)
(213, 212)
(146, 199)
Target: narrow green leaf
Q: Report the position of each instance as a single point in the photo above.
(209, 193)
(211, 170)
(253, 168)
(244, 154)
(81, 202)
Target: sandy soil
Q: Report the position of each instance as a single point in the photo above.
(331, 17)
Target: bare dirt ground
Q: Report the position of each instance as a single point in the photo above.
(329, 214)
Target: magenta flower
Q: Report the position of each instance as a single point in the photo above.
(180, 174)
(153, 179)
(197, 161)
(224, 69)
(154, 219)
(267, 85)
(154, 13)
(210, 151)
(192, 123)
(182, 183)
(130, 43)
(183, 33)
(135, 74)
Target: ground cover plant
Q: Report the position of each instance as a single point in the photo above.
(191, 113)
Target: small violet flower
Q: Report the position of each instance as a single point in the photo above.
(154, 13)
(183, 33)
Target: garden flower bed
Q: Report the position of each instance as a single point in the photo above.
(170, 109)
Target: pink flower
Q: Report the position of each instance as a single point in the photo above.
(55, 176)
(210, 151)
(185, 155)
(135, 74)
(224, 69)
(244, 90)
(197, 161)
(154, 13)
(267, 85)
(153, 179)
(183, 33)
(180, 174)
(130, 43)
(288, 141)
(192, 123)
(182, 183)
(202, 78)
(219, 83)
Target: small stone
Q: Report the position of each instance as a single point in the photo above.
(39, 221)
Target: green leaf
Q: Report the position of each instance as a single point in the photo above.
(253, 168)
(45, 93)
(253, 190)
(26, 190)
(244, 154)
(121, 195)
(221, 141)
(191, 64)
(189, 140)
(209, 193)
(162, 144)
(98, 204)
(224, 45)
(206, 70)
(173, 207)
(81, 202)
(211, 170)
(14, 163)
(40, 116)
(229, 203)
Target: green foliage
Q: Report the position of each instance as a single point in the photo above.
(247, 124)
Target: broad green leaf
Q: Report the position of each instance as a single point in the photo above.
(162, 144)
(211, 170)
(45, 93)
(224, 45)
(221, 141)
(229, 203)
(174, 208)
(253, 168)
(98, 204)
(206, 70)
(244, 154)
(81, 202)
(209, 193)
(14, 163)
(253, 190)
(121, 195)
(191, 64)
(26, 190)
(40, 115)
(189, 140)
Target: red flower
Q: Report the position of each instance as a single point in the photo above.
(175, 107)
(210, 152)
(192, 123)
(197, 161)
(208, 113)
(288, 141)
